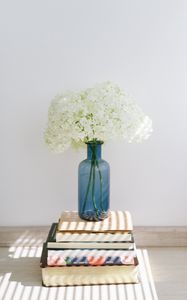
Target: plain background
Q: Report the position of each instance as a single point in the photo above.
(49, 46)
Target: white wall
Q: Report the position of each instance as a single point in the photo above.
(48, 46)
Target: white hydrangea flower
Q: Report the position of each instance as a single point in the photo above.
(102, 113)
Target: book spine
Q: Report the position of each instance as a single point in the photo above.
(90, 245)
(43, 259)
(94, 237)
(90, 257)
(52, 232)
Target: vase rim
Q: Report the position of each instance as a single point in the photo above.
(94, 142)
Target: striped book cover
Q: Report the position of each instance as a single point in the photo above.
(117, 221)
(102, 240)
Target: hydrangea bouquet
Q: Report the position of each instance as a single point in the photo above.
(101, 113)
(93, 116)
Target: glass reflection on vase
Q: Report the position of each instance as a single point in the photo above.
(93, 184)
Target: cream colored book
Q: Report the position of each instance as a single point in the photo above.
(87, 275)
(68, 276)
(117, 221)
(69, 240)
(99, 237)
(90, 245)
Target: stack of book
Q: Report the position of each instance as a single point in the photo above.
(79, 252)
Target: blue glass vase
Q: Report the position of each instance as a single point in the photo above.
(94, 184)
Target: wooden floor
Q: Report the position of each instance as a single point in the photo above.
(169, 268)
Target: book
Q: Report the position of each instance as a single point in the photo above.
(117, 221)
(95, 240)
(83, 275)
(90, 257)
(90, 245)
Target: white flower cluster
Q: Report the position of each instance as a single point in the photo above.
(101, 113)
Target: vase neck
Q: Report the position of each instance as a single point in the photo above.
(94, 150)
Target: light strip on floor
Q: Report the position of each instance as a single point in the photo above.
(69, 293)
(138, 291)
(18, 292)
(86, 293)
(144, 279)
(44, 293)
(35, 292)
(10, 291)
(148, 268)
(4, 284)
(18, 252)
(130, 292)
(26, 293)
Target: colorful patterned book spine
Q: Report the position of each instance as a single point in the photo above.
(89, 257)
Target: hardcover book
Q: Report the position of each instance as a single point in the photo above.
(84, 275)
(117, 221)
(95, 240)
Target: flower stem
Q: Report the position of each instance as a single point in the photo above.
(93, 187)
(101, 185)
(91, 180)
(88, 188)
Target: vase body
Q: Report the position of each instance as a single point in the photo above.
(94, 185)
